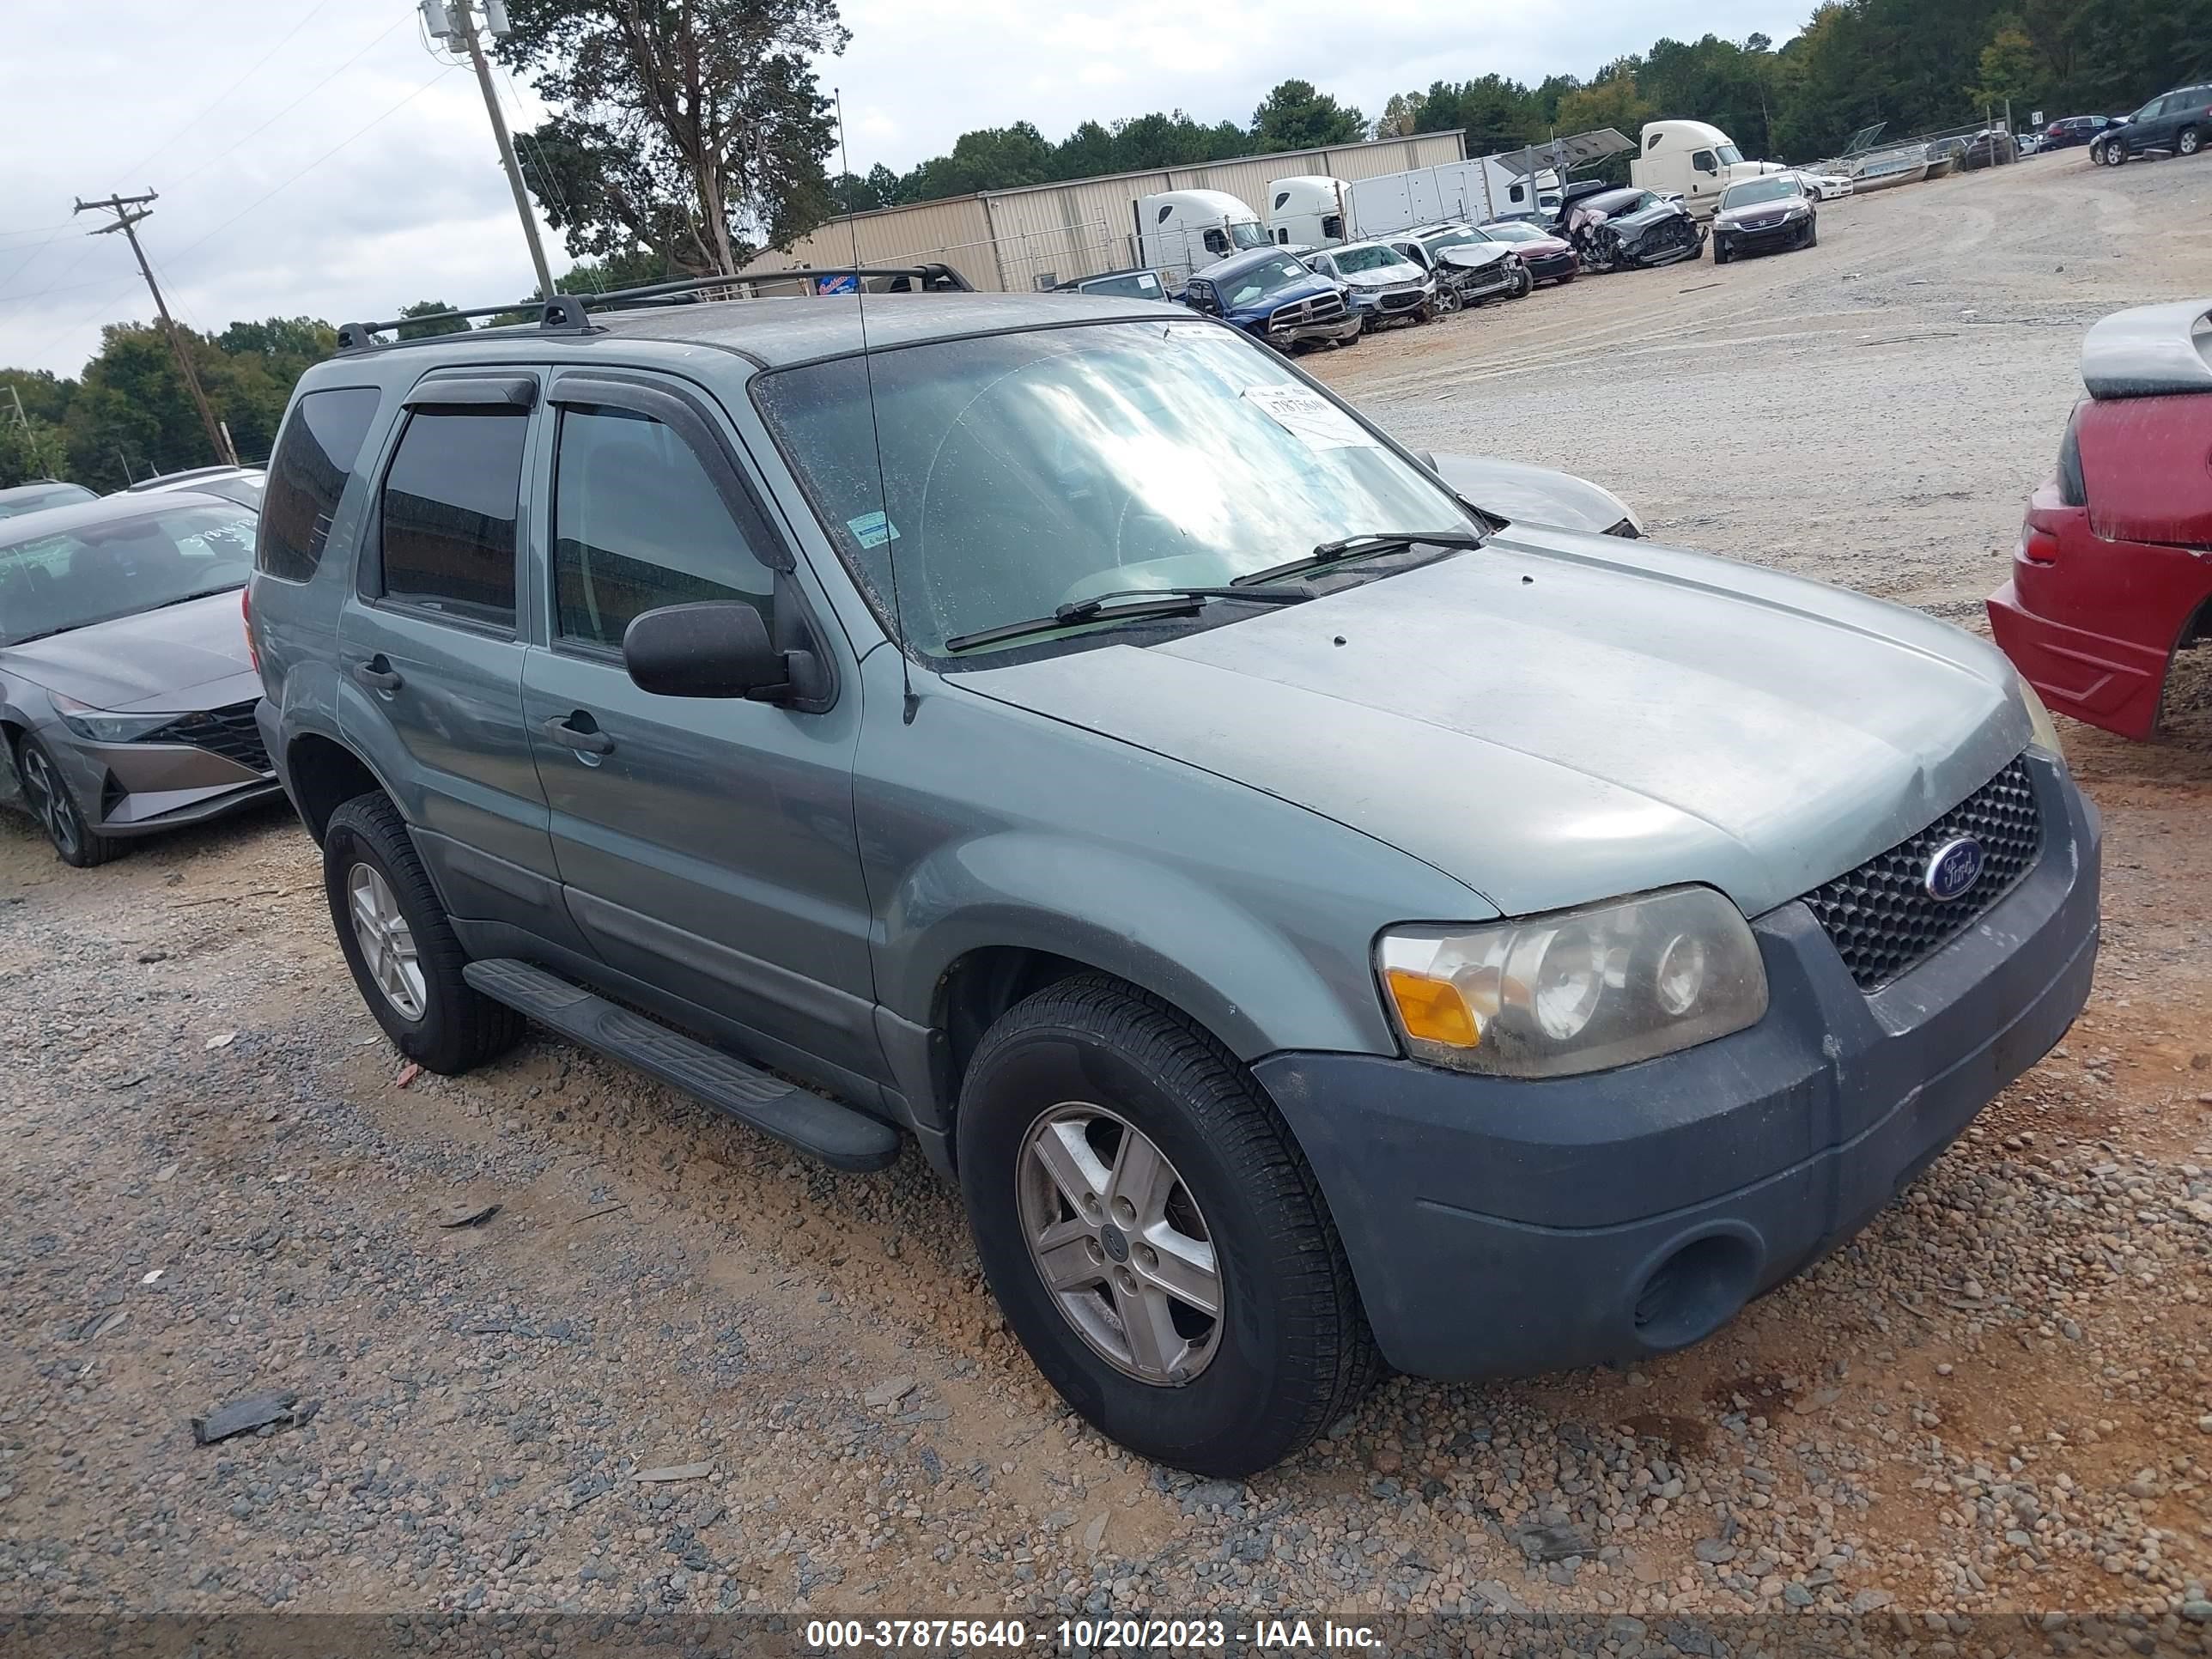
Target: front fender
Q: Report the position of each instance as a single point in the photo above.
(1243, 979)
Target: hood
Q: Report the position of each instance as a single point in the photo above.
(1475, 256)
(1736, 215)
(1404, 274)
(1514, 490)
(153, 660)
(1630, 223)
(1555, 718)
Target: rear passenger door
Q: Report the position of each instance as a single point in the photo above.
(707, 845)
(430, 653)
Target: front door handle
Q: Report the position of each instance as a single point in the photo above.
(585, 739)
(377, 674)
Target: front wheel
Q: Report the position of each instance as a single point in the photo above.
(1153, 1233)
(1720, 254)
(46, 793)
(397, 939)
(1449, 300)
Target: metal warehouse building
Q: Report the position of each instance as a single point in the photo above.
(1039, 234)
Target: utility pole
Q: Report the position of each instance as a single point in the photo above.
(129, 211)
(453, 21)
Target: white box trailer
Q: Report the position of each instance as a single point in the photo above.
(1314, 209)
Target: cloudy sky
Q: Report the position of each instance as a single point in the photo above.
(316, 158)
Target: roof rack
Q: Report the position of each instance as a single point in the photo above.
(568, 313)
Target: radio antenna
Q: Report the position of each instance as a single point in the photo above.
(875, 427)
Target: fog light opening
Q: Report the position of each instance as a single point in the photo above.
(1695, 1291)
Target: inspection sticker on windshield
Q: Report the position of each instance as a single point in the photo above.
(872, 529)
(1306, 415)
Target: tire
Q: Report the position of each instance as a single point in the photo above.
(2189, 143)
(1720, 254)
(1812, 235)
(454, 1028)
(2115, 155)
(75, 842)
(1288, 1351)
(1563, 281)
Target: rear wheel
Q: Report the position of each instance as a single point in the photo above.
(400, 946)
(2189, 143)
(46, 793)
(1153, 1233)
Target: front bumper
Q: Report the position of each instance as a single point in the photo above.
(124, 789)
(1499, 1227)
(1340, 329)
(1765, 239)
(1553, 267)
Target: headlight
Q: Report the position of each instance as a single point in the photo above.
(99, 726)
(1578, 990)
(2043, 730)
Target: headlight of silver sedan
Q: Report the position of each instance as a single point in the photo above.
(1578, 990)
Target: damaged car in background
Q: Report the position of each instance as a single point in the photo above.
(1275, 297)
(1380, 283)
(1467, 265)
(126, 688)
(1632, 229)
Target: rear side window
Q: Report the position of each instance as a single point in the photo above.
(316, 453)
(449, 511)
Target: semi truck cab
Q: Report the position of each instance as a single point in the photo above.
(1694, 159)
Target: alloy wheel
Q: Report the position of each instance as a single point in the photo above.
(1118, 1239)
(49, 802)
(387, 941)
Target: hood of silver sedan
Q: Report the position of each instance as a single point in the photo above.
(149, 660)
(1560, 717)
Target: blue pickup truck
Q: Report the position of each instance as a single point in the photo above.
(1273, 297)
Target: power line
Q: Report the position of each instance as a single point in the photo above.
(178, 257)
(215, 102)
(257, 131)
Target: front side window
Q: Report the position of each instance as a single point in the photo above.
(449, 511)
(1332, 227)
(316, 453)
(1023, 472)
(137, 562)
(1704, 161)
(1216, 242)
(638, 524)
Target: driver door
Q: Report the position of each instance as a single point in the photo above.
(706, 845)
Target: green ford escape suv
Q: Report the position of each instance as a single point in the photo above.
(1327, 906)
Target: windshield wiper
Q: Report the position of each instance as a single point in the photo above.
(1162, 602)
(1363, 547)
(186, 598)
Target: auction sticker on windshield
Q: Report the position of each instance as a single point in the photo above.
(1306, 415)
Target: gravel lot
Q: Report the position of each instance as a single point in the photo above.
(1998, 1400)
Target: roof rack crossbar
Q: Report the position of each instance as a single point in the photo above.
(568, 313)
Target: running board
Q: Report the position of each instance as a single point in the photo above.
(838, 1135)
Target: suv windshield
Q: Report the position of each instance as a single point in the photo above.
(94, 573)
(1759, 190)
(1024, 471)
(1376, 258)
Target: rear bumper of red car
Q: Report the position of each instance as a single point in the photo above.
(2094, 677)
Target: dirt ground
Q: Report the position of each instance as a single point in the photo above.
(1999, 1399)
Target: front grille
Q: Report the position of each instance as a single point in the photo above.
(1404, 299)
(1322, 308)
(228, 731)
(1881, 915)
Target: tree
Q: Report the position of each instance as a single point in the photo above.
(444, 324)
(1399, 116)
(30, 448)
(2010, 70)
(1298, 116)
(1613, 102)
(692, 127)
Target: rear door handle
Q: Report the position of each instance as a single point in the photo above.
(584, 740)
(377, 675)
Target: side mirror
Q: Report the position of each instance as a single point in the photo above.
(713, 648)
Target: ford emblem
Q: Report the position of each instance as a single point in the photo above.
(1953, 869)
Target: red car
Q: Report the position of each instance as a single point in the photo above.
(2113, 572)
